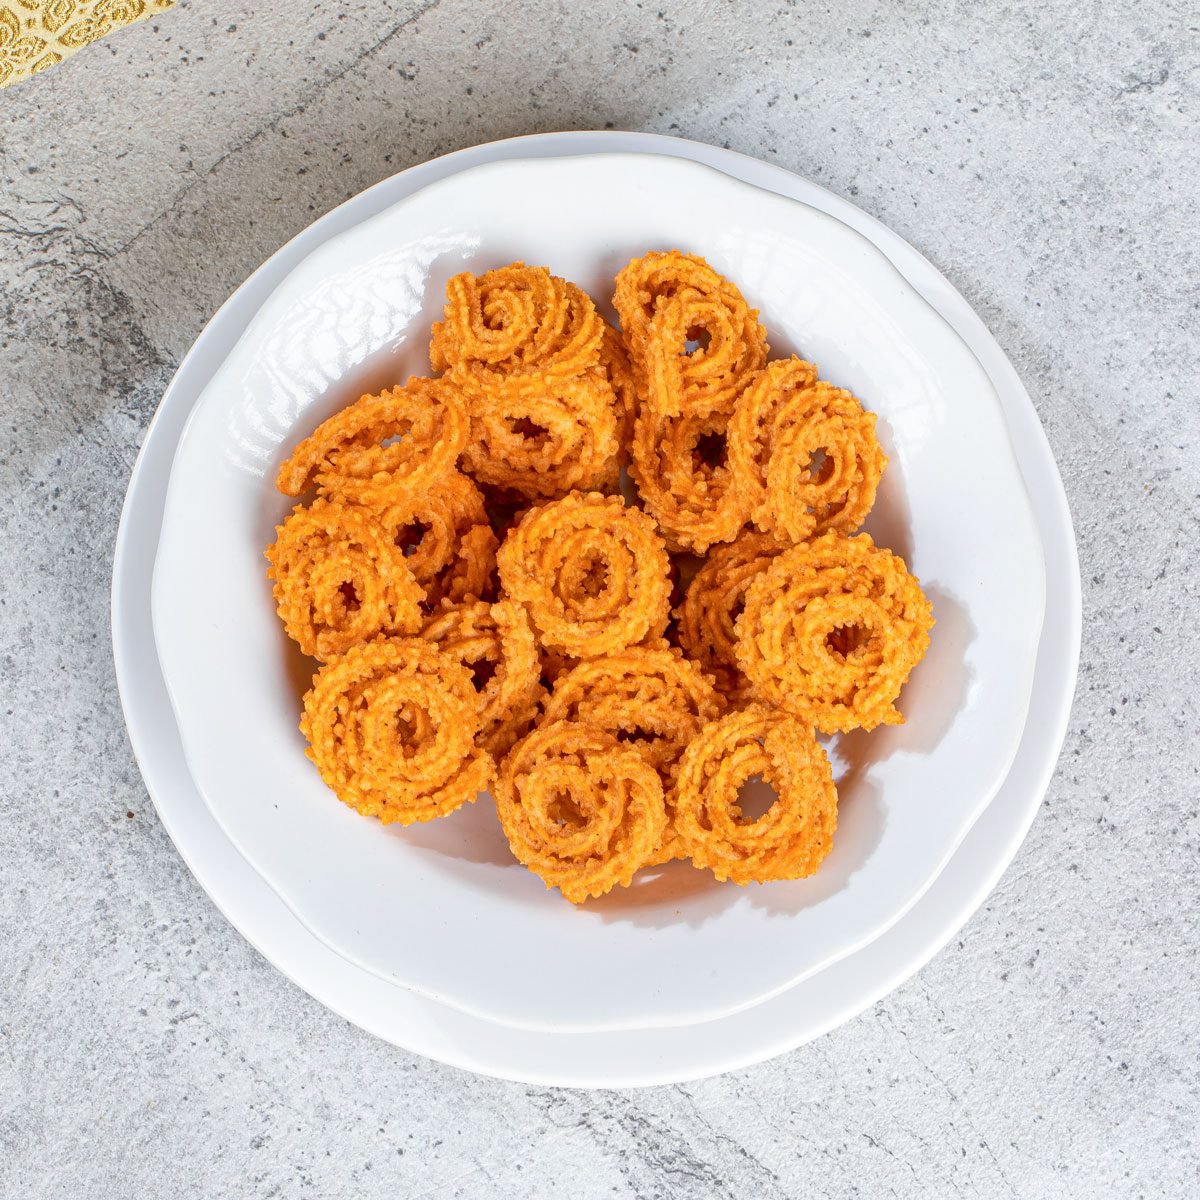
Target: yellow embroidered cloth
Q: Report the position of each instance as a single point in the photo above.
(36, 34)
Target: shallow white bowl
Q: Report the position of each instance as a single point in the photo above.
(441, 908)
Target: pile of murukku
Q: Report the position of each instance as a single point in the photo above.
(612, 575)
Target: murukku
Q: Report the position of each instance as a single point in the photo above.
(543, 436)
(831, 630)
(383, 447)
(592, 573)
(650, 698)
(496, 644)
(790, 840)
(513, 320)
(579, 809)
(713, 603)
(340, 579)
(429, 528)
(472, 574)
(808, 452)
(618, 370)
(686, 481)
(693, 339)
(391, 726)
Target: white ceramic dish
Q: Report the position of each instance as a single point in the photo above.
(463, 924)
(626, 1057)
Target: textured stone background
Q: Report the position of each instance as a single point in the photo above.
(1045, 156)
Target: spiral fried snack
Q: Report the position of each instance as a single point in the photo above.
(808, 451)
(472, 575)
(514, 320)
(618, 370)
(391, 727)
(429, 528)
(579, 809)
(793, 836)
(496, 644)
(592, 573)
(542, 436)
(339, 579)
(650, 698)
(693, 340)
(713, 603)
(383, 447)
(831, 630)
(686, 481)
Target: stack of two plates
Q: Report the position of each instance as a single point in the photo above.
(432, 937)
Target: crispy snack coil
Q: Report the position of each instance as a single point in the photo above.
(592, 573)
(579, 809)
(391, 726)
(542, 436)
(432, 528)
(618, 370)
(339, 579)
(686, 480)
(651, 698)
(383, 447)
(831, 630)
(713, 603)
(513, 320)
(496, 644)
(808, 452)
(793, 836)
(693, 340)
(472, 575)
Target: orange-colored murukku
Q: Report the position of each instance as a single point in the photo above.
(692, 338)
(513, 320)
(339, 579)
(651, 698)
(831, 630)
(618, 370)
(496, 644)
(579, 809)
(686, 480)
(790, 840)
(434, 529)
(808, 452)
(713, 603)
(391, 726)
(543, 436)
(382, 447)
(592, 573)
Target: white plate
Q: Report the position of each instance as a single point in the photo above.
(443, 909)
(624, 1058)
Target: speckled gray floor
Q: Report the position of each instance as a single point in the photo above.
(1046, 157)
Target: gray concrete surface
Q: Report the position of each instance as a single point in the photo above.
(1046, 156)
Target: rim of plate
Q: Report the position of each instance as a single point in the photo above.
(287, 946)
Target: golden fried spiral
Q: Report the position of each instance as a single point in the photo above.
(592, 573)
(542, 436)
(618, 370)
(383, 447)
(496, 644)
(793, 836)
(686, 481)
(391, 726)
(579, 809)
(339, 579)
(650, 698)
(808, 452)
(513, 320)
(713, 604)
(831, 630)
(693, 339)
(430, 527)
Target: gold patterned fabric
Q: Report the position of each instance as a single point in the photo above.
(36, 34)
